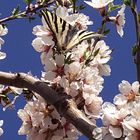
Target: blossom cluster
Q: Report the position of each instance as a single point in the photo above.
(119, 19)
(3, 31)
(121, 119)
(78, 71)
(41, 121)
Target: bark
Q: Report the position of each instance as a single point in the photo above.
(137, 28)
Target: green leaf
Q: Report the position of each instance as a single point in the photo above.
(139, 17)
(42, 1)
(127, 2)
(134, 50)
(16, 10)
(21, 16)
(28, 2)
(113, 7)
(106, 32)
(74, 5)
(74, 1)
(81, 7)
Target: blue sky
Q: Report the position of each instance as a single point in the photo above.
(21, 57)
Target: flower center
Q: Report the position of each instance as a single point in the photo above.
(59, 70)
(130, 96)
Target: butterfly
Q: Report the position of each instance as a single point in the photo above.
(65, 35)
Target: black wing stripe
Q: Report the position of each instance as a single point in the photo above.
(61, 20)
(55, 23)
(45, 18)
(65, 34)
(81, 32)
(63, 26)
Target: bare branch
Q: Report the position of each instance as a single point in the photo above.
(63, 103)
(137, 27)
(23, 14)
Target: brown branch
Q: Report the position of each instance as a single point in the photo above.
(63, 103)
(24, 13)
(137, 27)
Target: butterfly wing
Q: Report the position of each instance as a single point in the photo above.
(65, 35)
(80, 36)
(59, 27)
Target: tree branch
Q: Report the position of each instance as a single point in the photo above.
(63, 103)
(24, 13)
(137, 27)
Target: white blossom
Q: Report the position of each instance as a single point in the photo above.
(79, 19)
(73, 70)
(3, 31)
(131, 128)
(101, 55)
(135, 112)
(98, 3)
(125, 87)
(1, 130)
(92, 106)
(92, 82)
(54, 67)
(128, 93)
(119, 20)
(62, 12)
(113, 118)
(78, 52)
(44, 38)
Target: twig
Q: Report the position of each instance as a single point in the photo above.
(23, 14)
(137, 27)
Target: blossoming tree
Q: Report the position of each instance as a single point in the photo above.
(65, 101)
